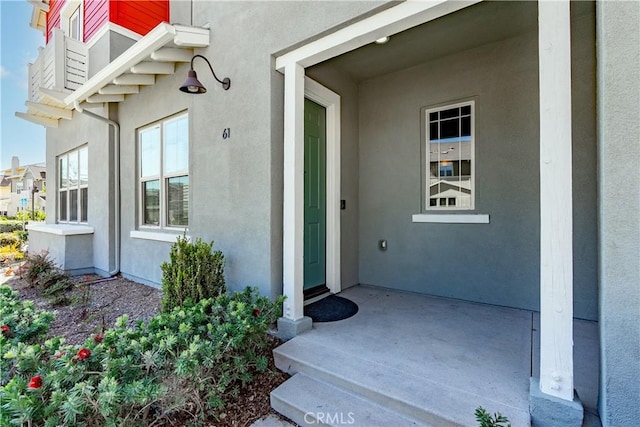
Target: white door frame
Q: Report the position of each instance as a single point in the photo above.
(330, 100)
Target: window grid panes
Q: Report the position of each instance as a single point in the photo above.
(450, 148)
(164, 173)
(73, 186)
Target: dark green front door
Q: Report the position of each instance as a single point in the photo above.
(315, 188)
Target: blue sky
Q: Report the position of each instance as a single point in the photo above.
(18, 46)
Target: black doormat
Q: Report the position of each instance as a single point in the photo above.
(330, 309)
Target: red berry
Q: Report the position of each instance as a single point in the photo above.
(35, 383)
(84, 353)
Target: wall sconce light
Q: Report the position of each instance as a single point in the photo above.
(192, 85)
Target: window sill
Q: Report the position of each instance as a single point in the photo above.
(157, 236)
(452, 218)
(61, 229)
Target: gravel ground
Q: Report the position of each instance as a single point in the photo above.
(95, 304)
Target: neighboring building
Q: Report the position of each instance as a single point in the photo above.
(492, 145)
(5, 195)
(18, 184)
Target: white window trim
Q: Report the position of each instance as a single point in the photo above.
(427, 161)
(67, 11)
(159, 237)
(160, 178)
(451, 218)
(79, 187)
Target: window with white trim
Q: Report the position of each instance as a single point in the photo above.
(75, 25)
(163, 149)
(73, 186)
(450, 149)
(71, 19)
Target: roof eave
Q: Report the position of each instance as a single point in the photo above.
(114, 81)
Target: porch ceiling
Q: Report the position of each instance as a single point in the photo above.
(477, 25)
(470, 27)
(155, 54)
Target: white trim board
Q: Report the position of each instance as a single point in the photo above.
(556, 200)
(386, 23)
(157, 236)
(293, 194)
(451, 218)
(61, 229)
(331, 101)
(110, 26)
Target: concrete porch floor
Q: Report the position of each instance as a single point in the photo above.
(446, 355)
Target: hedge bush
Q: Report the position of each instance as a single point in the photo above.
(194, 272)
(42, 273)
(183, 361)
(7, 226)
(9, 239)
(27, 215)
(11, 252)
(23, 321)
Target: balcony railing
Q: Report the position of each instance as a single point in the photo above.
(61, 65)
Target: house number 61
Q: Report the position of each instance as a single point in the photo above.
(226, 133)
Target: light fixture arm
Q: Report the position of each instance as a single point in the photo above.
(226, 82)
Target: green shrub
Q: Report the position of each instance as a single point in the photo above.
(22, 235)
(21, 322)
(27, 215)
(10, 225)
(183, 361)
(37, 265)
(11, 252)
(486, 420)
(194, 272)
(9, 239)
(42, 273)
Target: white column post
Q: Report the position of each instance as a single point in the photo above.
(58, 59)
(293, 203)
(556, 239)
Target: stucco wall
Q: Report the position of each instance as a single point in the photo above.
(70, 135)
(495, 263)
(236, 184)
(141, 258)
(619, 192)
(106, 49)
(74, 253)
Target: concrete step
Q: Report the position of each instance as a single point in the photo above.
(311, 402)
(416, 398)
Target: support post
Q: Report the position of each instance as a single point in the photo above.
(553, 401)
(556, 234)
(293, 321)
(58, 59)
